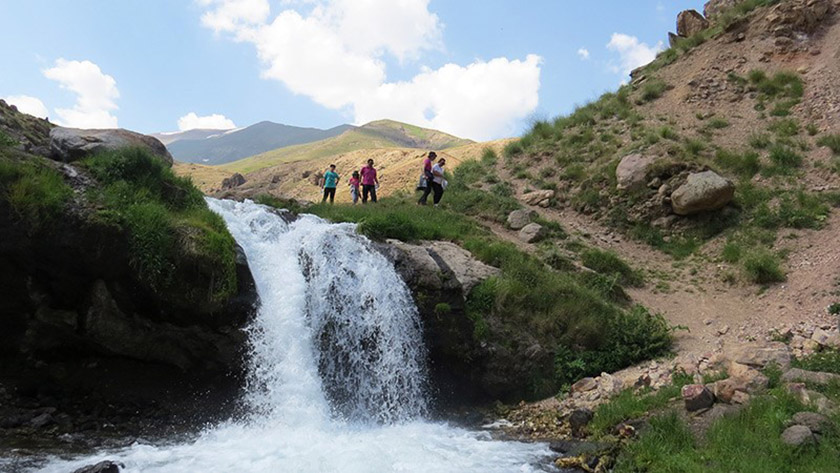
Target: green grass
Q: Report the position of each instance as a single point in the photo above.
(717, 123)
(747, 442)
(763, 267)
(759, 141)
(177, 244)
(652, 90)
(745, 164)
(784, 161)
(36, 193)
(785, 128)
(830, 141)
(630, 405)
(826, 361)
(610, 264)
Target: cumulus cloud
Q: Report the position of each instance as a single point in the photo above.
(27, 104)
(95, 91)
(583, 53)
(333, 51)
(632, 53)
(191, 121)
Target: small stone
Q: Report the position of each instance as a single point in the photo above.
(518, 219)
(797, 435)
(532, 233)
(696, 397)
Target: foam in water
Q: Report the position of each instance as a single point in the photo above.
(337, 375)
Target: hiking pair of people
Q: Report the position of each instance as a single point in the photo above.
(433, 177)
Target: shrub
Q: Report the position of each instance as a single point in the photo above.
(830, 141)
(609, 263)
(732, 252)
(759, 141)
(170, 228)
(694, 147)
(653, 89)
(763, 267)
(36, 193)
(744, 164)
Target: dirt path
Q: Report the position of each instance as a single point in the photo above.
(713, 314)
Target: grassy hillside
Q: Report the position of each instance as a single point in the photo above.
(379, 134)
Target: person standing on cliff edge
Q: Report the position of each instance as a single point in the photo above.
(369, 182)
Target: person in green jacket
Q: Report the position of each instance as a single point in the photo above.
(330, 183)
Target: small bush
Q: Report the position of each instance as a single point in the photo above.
(717, 123)
(830, 141)
(694, 147)
(732, 252)
(744, 164)
(609, 263)
(763, 267)
(759, 141)
(653, 89)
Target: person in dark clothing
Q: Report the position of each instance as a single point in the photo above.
(427, 174)
(438, 183)
(369, 182)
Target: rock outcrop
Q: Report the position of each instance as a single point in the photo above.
(714, 8)
(690, 22)
(72, 144)
(233, 181)
(702, 192)
(540, 198)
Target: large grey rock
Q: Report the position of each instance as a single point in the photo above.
(631, 172)
(532, 233)
(696, 397)
(71, 144)
(797, 435)
(519, 218)
(439, 265)
(759, 357)
(702, 192)
(690, 22)
(817, 423)
(796, 375)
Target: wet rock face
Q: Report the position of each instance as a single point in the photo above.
(72, 144)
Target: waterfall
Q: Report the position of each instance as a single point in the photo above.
(337, 379)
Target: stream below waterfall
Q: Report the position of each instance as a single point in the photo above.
(338, 379)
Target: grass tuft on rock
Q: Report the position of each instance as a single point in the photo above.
(35, 192)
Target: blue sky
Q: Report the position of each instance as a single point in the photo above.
(478, 68)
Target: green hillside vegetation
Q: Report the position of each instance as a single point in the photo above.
(583, 317)
(586, 146)
(379, 134)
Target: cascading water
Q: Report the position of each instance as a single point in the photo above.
(337, 376)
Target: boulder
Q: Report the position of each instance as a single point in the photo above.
(796, 375)
(759, 357)
(439, 265)
(532, 233)
(697, 397)
(518, 219)
(72, 144)
(106, 466)
(797, 435)
(632, 170)
(825, 338)
(815, 422)
(702, 192)
(541, 198)
(579, 419)
(690, 22)
(233, 181)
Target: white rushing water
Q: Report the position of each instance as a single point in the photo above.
(337, 377)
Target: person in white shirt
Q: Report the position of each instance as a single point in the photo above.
(438, 182)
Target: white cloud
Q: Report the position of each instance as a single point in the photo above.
(27, 104)
(583, 53)
(191, 121)
(631, 52)
(333, 52)
(95, 91)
